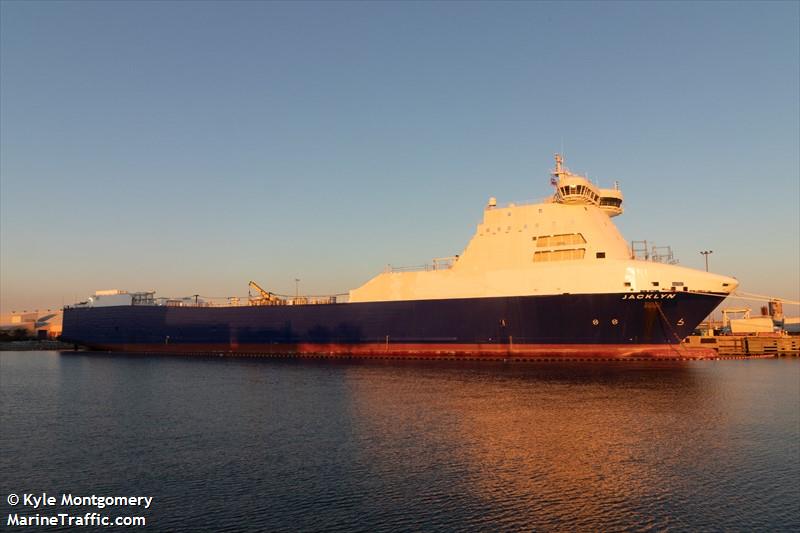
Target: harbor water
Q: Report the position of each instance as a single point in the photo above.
(226, 444)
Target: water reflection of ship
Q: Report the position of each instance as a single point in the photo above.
(539, 447)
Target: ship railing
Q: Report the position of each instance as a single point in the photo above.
(439, 263)
(230, 301)
(644, 251)
(296, 300)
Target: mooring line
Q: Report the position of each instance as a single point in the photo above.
(674, 333)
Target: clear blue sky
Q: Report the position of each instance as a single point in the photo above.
(189, 147)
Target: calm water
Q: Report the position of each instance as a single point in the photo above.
(225, 445)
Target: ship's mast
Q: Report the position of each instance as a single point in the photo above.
(559, 170)
(559, 162)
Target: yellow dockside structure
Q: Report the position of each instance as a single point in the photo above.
(737, 345)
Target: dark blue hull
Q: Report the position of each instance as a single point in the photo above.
(474, 324)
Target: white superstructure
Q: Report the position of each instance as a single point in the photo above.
(117, 297)
(565, 244)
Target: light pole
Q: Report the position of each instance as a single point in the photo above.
(706, 253)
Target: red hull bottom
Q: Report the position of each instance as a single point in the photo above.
(521, 352)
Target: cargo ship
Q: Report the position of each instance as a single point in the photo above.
(553, 278)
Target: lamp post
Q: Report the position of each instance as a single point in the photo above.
(706, 253)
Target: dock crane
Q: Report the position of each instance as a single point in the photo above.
(266, 297)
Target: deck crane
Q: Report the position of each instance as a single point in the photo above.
(266, 297)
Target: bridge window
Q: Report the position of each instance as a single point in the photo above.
(600, 255)
(559, 255)
(559, 240)
(613, 202)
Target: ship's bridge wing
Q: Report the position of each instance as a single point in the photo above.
(611, 201)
